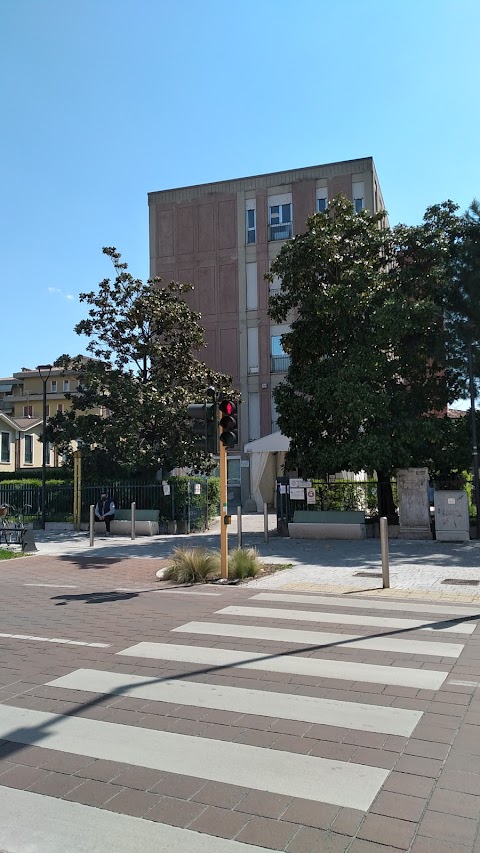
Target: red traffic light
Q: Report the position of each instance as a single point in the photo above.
(228, 407)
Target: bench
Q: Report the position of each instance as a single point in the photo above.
(326, 524)
(146, 523)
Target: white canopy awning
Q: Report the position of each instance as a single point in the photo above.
(273, 443)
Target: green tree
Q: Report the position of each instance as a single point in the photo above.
(143, 370)
(368, 381)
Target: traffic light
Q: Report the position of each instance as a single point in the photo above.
(204, 426)
(228, 422)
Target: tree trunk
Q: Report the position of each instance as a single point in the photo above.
(386, 505)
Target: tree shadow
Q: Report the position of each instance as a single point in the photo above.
(28, 736)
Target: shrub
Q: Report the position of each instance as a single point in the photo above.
(243, 563)
(192, 565)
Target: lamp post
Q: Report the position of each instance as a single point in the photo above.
(44, 371)
(476, 478)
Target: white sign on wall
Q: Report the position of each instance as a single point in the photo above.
(311, 496)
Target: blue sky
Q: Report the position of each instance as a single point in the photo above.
(106, 100)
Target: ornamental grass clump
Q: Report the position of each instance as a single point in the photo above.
(243, 563)
(192, 565)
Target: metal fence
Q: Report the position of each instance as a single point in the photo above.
(339, 495)
(190, 502)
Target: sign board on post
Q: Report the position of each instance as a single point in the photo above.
(311, 496)
(297, 494)
(196, 489)
(300, 484)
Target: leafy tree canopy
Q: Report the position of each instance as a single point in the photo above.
(371, 369)
(142, 372)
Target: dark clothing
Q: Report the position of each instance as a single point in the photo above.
(105, 510)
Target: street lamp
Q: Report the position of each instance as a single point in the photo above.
(476, 477)
(44, 371)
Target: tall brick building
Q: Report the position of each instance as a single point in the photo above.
(222, 237)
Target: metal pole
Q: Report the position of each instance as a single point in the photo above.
(92, 524)
(44, 450)
(265, 522)
(133, 508)
(476, 478)
(223, 512)
(239, 526)
(384, 549)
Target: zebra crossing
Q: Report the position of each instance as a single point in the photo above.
(200, 666)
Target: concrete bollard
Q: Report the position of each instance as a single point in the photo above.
(384, 550)
(133, 508)
(92, 525)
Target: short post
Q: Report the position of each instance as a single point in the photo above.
(92, 524)
(384, 549)
(239, 526)
(265, 522)
(133, 507)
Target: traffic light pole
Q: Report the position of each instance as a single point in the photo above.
(223, 512)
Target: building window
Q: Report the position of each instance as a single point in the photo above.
(47, 410)
(66, 385)
(60, 408)
(28, 450)
(53, 386)
(275, 427)
(250, 221)
(280, 221)
(253, 415)
(252, 349)
(28, 411)
(280, 361)
(358, 196)
(47, 453)
(5, 447)
(252, 289)
(322, 200)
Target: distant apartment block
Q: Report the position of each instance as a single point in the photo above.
(222, 237)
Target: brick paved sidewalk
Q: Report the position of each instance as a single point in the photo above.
(429, 802)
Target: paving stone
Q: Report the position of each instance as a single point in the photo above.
(56, 784)
(308, 813)
(220, 822)
(132, 802)
(377, 828)
(264, 804)
(347, 821)
(100, 770)
(448, 827)
(427, 749)
(141, 778)
(422, 844)
(455, 803)
(399, 805)
(222, 795)
(93, 793)
(173, 785)
(21, 776)
(273, 834)
(419, 766)
(176, 812)
(309, 840)
(467, 783)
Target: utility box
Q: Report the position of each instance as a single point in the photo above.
(452, 522)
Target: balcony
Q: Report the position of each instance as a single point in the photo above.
(279, 363)
(281, 231)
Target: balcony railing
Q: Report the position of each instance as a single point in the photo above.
(282, 231)
(279, 363)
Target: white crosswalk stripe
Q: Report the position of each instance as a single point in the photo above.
(191, 676)
(322, 638)
(294, 665)
(350, 715)
(448, 610)
(31, 823)
(397, 624)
